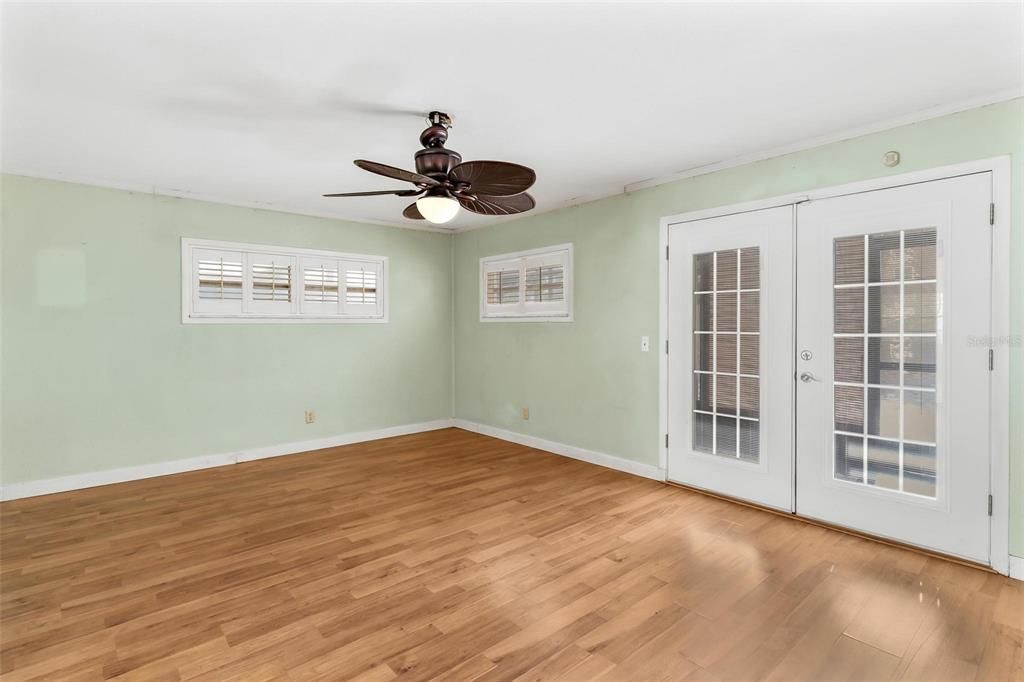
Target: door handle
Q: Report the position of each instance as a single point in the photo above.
(807, 378)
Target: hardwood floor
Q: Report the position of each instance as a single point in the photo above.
(456, 556)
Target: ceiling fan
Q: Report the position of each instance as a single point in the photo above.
(444, 183)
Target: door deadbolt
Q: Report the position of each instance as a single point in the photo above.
(806, 355)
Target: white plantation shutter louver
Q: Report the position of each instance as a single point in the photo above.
(230, 282)
(361, 287)
(529, 285)
(321, 292)
(503, 287)
(544, 283)
(271, 283)
(217, 281)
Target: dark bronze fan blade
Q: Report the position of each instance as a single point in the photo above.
(396, 173)
(484, 205)
(396, 192)
(494, 178)
(412, 213)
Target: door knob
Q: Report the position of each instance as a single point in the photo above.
(807, 378)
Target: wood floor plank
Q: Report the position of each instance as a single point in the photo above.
(453, 556)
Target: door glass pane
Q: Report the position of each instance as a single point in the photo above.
(725, 402)
(726, 353)
(849, 458)
(704, 272)
(848, 260)
(850, 409)
(849, 310)
(703, 312)
(884, 309)
(703, 352)
(919, 469)
(725, 311)
(884, 257)
(750, 398)
(750, 268)
(885, 323)
(919, 362)
(704, 392)
(919, 416)
(919, 307)
(726, 263)
(918, 255)
(750, 440)
(750, 354)
(750, 311)
(725, 360)
(849, 359)
(884, 360)
(884, 463)
(884, 412)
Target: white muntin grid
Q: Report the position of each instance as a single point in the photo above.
(899, 336)
(718, 376)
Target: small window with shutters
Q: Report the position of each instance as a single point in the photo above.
(229, 282)
(533, 285)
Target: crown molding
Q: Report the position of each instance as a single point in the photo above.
(822, 140)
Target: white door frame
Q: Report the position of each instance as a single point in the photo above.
(999, 428)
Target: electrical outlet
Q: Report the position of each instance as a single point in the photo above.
(310, 416)
(526, 413)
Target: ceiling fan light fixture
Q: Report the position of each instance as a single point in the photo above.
(437, 209)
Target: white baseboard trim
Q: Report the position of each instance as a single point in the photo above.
(1017, 567)
(14, 491)
(601, 459)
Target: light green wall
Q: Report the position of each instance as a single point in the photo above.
(100, 373)
(586, 383)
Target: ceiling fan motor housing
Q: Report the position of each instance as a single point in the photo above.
(434, 160)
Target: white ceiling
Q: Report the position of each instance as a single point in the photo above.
(267, 105)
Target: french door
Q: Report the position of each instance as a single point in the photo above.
(730, 355)
(893, 389)
(864, 401)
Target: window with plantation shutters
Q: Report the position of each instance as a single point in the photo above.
(533, 285)
(229, 282)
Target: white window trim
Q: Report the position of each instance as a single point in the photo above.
(520, 316)
(295, 316)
